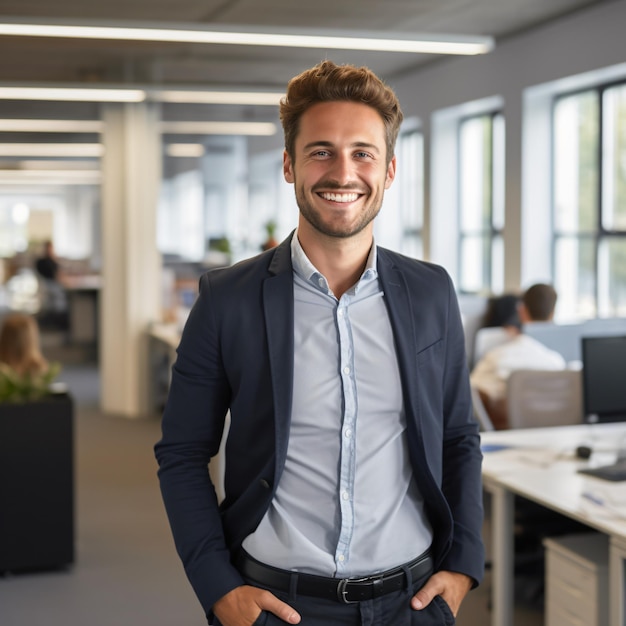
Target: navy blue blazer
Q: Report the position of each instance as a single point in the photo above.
(236, 353)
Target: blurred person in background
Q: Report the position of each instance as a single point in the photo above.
(47, 265)
(25, 374)
(492, 371)
(19, 345)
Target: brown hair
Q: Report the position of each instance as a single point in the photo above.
(19, 344)
(328, 82)
(540, 300)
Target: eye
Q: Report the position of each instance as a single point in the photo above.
(321, 153)
(363, 155)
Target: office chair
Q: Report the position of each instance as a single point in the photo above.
(538, 398)
(473, 308)
(480, 412)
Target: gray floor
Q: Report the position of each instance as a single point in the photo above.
(126, 571)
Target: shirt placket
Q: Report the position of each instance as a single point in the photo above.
(348, 433)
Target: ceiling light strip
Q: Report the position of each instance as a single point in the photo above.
(185, 150)
(71, 94)
(415, 44)
(218, 128)
(183, 96)
(51, 149)
(50, 126)
(91, 176)
(113, 93)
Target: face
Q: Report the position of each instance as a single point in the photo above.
(339, 169)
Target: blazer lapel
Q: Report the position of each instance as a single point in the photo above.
(278, 309)
(402, 318)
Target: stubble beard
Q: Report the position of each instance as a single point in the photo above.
(333, 228)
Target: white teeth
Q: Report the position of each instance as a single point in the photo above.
(340, 197)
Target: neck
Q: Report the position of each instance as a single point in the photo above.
(341, 260)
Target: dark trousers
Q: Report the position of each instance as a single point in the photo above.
(393, 609)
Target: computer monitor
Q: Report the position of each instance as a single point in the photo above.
(604, 378)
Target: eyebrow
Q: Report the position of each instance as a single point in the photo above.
(329, 144)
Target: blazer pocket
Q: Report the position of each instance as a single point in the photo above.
(431, 353)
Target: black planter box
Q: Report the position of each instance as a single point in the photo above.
(37, 484)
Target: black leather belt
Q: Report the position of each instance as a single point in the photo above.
(346, 590)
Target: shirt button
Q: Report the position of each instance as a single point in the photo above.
(346, 370)
(342, 558)
(340, 312)
(348, 432)
(345, 495)
(320, 282)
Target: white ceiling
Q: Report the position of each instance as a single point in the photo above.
(44, 60)
(63, 60)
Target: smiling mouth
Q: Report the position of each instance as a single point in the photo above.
(339, 197)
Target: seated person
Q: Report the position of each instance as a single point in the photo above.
(24, 372)
(500, 324)
(491, 373)
(503, 311)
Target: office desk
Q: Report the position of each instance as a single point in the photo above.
(83, 295)
(541, 465)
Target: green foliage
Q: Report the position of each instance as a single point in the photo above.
(270, 228)
(26, 388)
(221, 245)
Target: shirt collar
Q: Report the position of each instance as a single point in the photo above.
(305, 269)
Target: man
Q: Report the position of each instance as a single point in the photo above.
(53, 295)
(491, 373)
(352, 451)
(47, 265)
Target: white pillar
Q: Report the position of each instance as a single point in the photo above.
(131, 267)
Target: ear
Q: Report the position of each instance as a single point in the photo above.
(391, 172)
(287, 167)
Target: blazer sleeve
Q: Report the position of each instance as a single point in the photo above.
(192, 428)
(462, 457)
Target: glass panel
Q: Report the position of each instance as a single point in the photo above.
(412, 246)
(411, 159)
(576, 135)
(475, 174)
(474, 271)
(498, 173)
(180, 223)
(574, 278)
(14, 216)
(497, 265)
(612, 277)
(614, 158)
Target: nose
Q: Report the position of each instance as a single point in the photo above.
(342, 170)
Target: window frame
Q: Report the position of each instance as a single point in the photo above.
(602, 305)
(491, 237)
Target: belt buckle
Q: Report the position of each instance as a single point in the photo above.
(342, 591)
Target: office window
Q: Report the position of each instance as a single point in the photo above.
(589, 201)
(401, 224)
(481, 203)
(410, 151)
(180, 219)
(13, 227)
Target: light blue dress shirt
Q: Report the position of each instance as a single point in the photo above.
(347, 503)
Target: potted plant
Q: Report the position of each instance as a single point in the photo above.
(26, 388)
(36, 473)
(270, 230)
